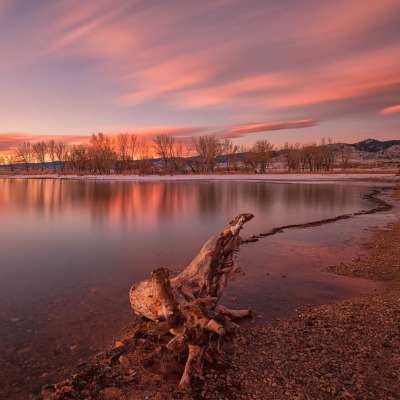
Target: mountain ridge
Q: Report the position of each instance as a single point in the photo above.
(373, 145)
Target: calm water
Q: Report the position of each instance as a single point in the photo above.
(55, 234)
(69, 251)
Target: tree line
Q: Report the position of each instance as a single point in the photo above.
(130, 153)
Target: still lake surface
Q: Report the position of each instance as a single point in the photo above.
(70, 250)
(56, 234)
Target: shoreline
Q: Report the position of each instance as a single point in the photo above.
(366, 178)
(347, 349)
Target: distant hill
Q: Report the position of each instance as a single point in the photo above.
(374, 146)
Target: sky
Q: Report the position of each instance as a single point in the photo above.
(285, 71)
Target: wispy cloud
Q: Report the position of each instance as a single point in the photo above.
(149, 133)
(390, 110)
(243, 129)
(211, 61)
(9, 141)
(155, 81)
(252, 88)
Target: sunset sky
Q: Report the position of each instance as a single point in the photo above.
(285, 70)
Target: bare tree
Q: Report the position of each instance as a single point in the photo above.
(164, 146)
(179, 160)
(78, 158)
(102, 154)
(39, 151)
(208, 148)
(61, 152)
(51, 148)
(249, 159)
(262, 150)
(292, 156)
(241, 162)
(308, 156)
(123, 151)
(229, 150)
(24, 153)
(133, 144)
(10, 159)
(144, 164)
(312, 156)
(344, 153)
(328, 153)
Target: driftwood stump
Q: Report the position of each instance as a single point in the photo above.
(187, 305)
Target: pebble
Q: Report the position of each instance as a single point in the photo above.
(124, 361)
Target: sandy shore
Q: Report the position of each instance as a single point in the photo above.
(345, 350)
(367, 177)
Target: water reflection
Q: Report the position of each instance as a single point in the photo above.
(93, 223)
(149, 203)
(69, 250)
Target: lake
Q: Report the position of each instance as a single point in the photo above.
(70, 250)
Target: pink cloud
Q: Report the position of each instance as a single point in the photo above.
(242, 129)
(340, 24)
(390, 110)
(149, 133)
(157, 80)
(9, 141)
(359, 76)
(271, 60)
(252, 87)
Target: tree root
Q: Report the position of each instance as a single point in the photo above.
(187, 305)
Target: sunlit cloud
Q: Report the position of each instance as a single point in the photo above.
(156, 80)
(366, 74)
(203, 64)
(9, 141)
(243, 129)
(362, 76)
(183, 134)
(252, 88)
(390, 110)
(156, 130)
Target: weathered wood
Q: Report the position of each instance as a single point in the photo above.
(187, 305)
(194, 364)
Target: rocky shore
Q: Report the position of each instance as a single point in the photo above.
(345, 350)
